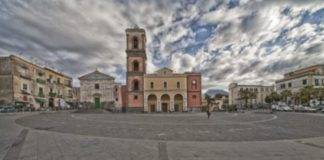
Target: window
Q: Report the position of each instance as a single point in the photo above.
(25, 86)
(194, 96)
(255, 89)
(135, 97)
(40, 90)
(289, 84)
(116, 99)
(178, 85)
(304, 81)
(283, 86)
(135, 42)
(316, 82)
(97, 86)
(165, 85)
(262, 89)
(152, 85)
(135, 66)
(194, 84)
(51, 90)
(135, 85)
(58, 81)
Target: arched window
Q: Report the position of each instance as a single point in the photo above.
(178, 85)
(135, 85)
(135, 66)
(165, 85)
(135, 42)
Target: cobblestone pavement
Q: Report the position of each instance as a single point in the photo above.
(247, 136)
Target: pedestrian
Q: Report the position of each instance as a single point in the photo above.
(208, 113)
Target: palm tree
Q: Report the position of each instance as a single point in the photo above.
(245, 95)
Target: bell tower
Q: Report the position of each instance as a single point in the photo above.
(136, 68)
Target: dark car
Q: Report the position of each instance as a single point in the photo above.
(8, 110)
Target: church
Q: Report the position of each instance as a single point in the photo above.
(162, 91)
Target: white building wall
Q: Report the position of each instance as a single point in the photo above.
(106, 90)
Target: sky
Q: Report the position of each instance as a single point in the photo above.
(243, 41)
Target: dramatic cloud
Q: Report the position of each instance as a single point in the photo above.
(247, 41)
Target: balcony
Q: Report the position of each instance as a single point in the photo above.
(52, 94)
(25, 92)
(25, 76)
(41, 94)
(41, 81)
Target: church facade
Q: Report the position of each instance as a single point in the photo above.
(162, 91)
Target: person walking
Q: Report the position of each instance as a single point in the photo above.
(208, 113)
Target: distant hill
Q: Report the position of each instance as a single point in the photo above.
(213, 92)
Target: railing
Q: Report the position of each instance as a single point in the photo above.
(41, 81)
(52, 94)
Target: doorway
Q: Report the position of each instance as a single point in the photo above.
(97, 102)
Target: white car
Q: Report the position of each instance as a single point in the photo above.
(275, 107)
(286, 108)
(309, 109)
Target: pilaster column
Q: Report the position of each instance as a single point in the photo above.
(158, 109)
(185, 104)
(172, 105)
(145, 104)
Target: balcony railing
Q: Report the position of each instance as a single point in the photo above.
(25, 76)
(52, 94)
(41, 81)
(41, 94)
(25, 92)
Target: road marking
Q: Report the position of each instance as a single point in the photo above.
(15, 148)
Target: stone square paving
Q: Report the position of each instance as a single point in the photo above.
(226, 136)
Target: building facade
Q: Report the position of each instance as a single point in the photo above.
(59, 89)
(165, 91)
(260, 91)
(25, 84)
(296, 80)
(120, 97)
(162, 91)
(97, 89)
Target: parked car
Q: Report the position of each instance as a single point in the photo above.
(274, 107)
(299, 108)
(309, 109)
(323, 110)
(8, 109)
(285, 108)
(319, 107)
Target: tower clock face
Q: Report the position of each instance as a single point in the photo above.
(194, 82)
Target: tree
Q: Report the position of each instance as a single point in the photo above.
(296, 97)
(285, 94)
(272, 97)
(319, 94)
(306, 94)
(246, 95)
